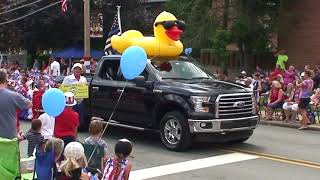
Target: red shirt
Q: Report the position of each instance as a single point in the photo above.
(274, 95)
(274, 74)
(66, 123)
(36, 103)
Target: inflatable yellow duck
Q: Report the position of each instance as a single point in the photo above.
(165, 43)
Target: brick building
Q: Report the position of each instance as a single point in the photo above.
(302, 38)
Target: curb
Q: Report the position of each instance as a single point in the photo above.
(282, 124)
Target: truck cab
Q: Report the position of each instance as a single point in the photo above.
(177, 97)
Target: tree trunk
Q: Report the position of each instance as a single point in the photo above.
(226, 14)
(242, 56)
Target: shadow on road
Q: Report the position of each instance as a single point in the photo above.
(152, 140)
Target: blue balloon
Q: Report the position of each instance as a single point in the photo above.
(188, 51)
(133, 62)
(53, 102)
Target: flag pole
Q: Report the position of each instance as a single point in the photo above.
(86, 23)
(119, 18)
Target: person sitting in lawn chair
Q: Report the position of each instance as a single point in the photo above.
(315, 100)
(74, 167)
(47, 158)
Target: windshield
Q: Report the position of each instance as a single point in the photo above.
(183, 69)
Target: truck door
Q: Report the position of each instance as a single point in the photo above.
(136, 103)
(104, 89)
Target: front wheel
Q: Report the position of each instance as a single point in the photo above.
(174, 130)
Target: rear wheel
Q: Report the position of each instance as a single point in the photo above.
(174, 130)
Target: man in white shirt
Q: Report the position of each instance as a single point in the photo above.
(76, 78)
(55, 68)
(47, 127)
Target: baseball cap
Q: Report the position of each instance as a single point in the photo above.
(243, 72)
(77, 65)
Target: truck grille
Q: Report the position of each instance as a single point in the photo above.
(238, 124)
(234, 106)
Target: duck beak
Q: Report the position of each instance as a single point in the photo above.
(174, 33)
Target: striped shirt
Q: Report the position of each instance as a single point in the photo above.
(115, 171)
(34, 138)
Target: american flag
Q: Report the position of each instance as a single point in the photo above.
(115, 30)
(64, 5)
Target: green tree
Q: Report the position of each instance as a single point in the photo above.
(219, 41)
(256, 22)
(199, 20)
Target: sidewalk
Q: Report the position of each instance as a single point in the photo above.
(315, 127)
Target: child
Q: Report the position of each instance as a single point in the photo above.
(75, 160)
(315, 99)
(73, 167)
(95, 130)
(47, 128)
(33, 136)
(119, 167)
(99, 157)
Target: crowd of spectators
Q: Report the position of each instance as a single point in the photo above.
(59, 134)
(286, 92)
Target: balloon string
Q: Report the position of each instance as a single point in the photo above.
(105, 128)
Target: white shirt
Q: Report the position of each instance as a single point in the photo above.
(55, 67)
(71, 79)
(47, 125)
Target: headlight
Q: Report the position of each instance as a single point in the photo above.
(197, 103)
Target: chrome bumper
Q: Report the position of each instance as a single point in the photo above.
(215, 125)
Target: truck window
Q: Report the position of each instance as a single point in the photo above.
(145, 73)
(109, 69)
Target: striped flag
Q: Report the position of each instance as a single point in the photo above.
(115, 30)
(64, 5)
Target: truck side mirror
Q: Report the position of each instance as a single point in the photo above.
(140, 81)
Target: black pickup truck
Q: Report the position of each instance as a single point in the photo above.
(176, 97)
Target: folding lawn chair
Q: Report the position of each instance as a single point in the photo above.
(44, 164)
(9, 159)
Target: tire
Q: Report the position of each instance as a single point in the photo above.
(172, 126)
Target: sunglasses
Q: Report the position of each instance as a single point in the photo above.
(169, 24)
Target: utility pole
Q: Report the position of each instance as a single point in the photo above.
(86, 23)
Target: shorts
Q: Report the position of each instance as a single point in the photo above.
(293, 106)
(304, 103)
(276, 105)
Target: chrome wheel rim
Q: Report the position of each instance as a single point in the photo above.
(172, 131)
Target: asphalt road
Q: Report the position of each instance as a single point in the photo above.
(271, 153)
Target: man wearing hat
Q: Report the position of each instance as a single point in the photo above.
(76, 78)
(66, 124)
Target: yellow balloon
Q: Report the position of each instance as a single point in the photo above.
(165, 43)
